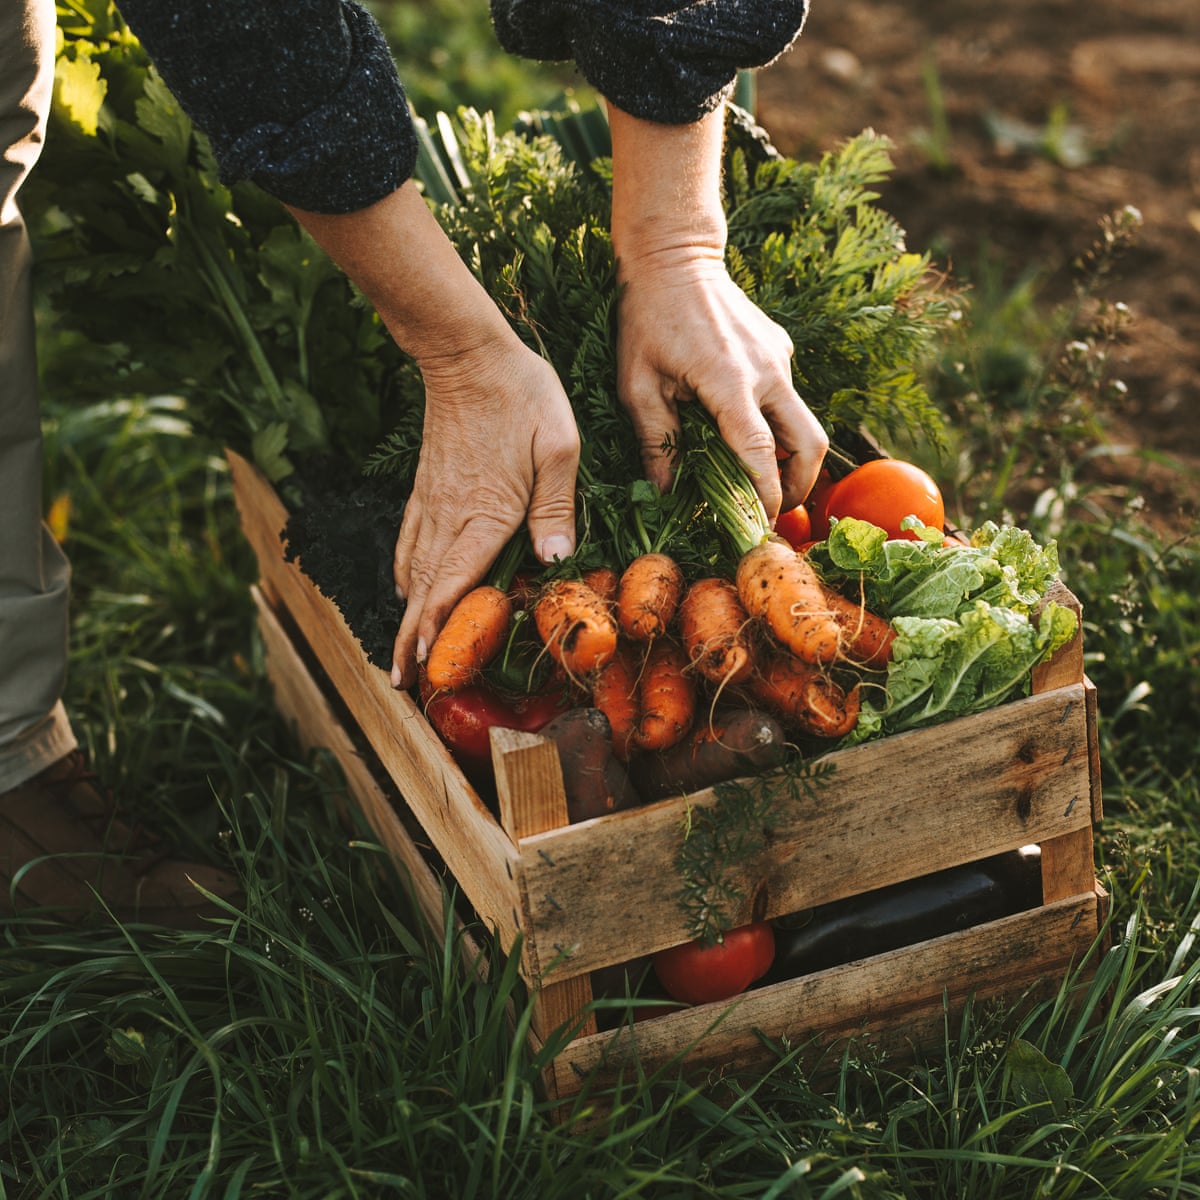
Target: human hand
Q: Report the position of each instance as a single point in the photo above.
(499, 446)
(687, 332)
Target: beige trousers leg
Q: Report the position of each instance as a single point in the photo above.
(34, 731)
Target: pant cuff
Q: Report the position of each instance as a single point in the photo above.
(48, 741)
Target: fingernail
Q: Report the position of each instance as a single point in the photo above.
(397, 677)
(422, 650)
(555, 546)
(399, 593)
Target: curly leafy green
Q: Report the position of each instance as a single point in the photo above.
(924, 578)
(966, 637)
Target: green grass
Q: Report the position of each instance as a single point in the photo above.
(319, 1041)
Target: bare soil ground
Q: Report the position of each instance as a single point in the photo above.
(1126, 82)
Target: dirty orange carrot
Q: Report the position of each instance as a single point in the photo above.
(648, 595)
(866, 637)
(713, 626)
(603, 581)
(472, 636)
(832, 711)
(780, 586)
(804, 695)
(576, 626)
(615, 694)
(666, 697)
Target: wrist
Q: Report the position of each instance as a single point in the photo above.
(666, 188)
(398, 255)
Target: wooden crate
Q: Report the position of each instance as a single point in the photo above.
(599, 893)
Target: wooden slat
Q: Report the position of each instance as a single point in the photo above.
(532, 800)
(301, 702)
(466, 835)
(1065, 665)
(1068, 861)
(894, 809)
(895, 998)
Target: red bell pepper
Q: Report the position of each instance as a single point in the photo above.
(464, 718)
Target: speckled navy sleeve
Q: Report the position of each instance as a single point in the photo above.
(301, 97)
(655, 59)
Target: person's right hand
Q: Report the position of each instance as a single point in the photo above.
(500, 445)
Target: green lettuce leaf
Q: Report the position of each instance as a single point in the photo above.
(946, 667)
(925, 578)
(965, 635)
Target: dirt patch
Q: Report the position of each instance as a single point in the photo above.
(1054, 117)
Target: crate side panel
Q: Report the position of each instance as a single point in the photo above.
(474, 847)
(895, 809)
(888, 998)
(302, 704)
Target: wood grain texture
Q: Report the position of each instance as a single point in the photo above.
(529, 783)
(896, 1000)
(300, 701)
(893, 809)
(467, 836)
(1065, 665)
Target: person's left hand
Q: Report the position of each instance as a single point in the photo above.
(687, 332)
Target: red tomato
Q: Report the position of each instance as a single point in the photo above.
(698, 974)
(815, 503)
(795, 525)
(884, 491)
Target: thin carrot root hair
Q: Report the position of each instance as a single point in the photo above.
(806, 696)
(648, 595)
(474, 633)
(576, 627)
(866, 637)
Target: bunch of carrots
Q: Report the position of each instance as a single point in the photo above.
(647, 647)
(656, 647)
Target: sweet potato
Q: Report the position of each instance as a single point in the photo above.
(594, 779)
(735, 743)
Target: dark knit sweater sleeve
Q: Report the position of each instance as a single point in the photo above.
(658, 60)
(301, 98)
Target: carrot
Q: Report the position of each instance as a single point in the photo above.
(666, 697)
(575, 626)
(803, 694)
(615, 694)
(867, 638)
(648, 595)
(603, 581)
(712, 623)
(781, 588)
(472, 636)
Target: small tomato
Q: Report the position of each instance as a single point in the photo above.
(698, 974)
(816, 502)
(884, 491)
(795, 525)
